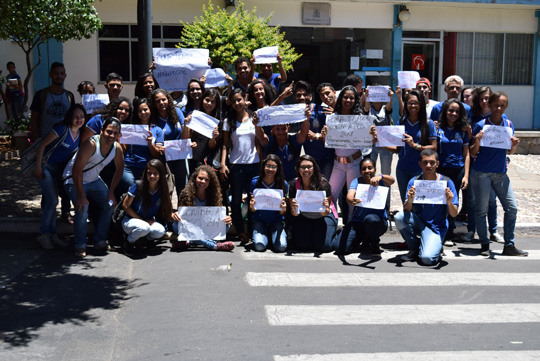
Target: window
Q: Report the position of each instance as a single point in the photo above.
(118, 47)
(498, 59)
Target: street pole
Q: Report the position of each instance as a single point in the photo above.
(144, 23)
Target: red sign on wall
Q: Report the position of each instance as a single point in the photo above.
(418, 61)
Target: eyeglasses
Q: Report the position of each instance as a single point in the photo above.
(114, 85)
(413, 103)
(306, 167)
(270, 166)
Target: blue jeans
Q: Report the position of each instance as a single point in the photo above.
(16, 103)
(484, 183)
(372, 227)
(208, 243)
(386, 164)
(137, 228)
(262, 231)
(240, 177)
(98, 192)
(471, 209)
(49, 199)
(403, 177)
(419, 237)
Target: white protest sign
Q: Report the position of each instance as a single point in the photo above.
(310, 201)
(349, 131)
(496, 136)
(371, 197)
(408, 79)
(199, 223)
(175, 67)
(93, 102)
(202, 123)
(268, 199)
(389, 136)
(135, 134)
(178, 149)
(281, 114)
(378, 94)
(266, 55)
(215, 78)
(429, 192)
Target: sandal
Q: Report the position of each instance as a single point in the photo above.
(80, 252)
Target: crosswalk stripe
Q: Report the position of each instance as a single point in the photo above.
(287, 279)
(418, 356)
(333, 315)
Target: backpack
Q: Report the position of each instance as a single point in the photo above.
(118, 211)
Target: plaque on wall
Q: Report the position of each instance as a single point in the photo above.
(316, 13)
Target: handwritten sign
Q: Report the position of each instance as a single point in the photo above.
(389, 136)
(135, 134)
(93, 102)
(310, 201)
(349, 131)
(175, 67)
(281, 114)
(202, 123)
(215, 78)
(198, 223)
(496, 136)
(178, 149)
(268, 199)
(266, 55)
(429, 192)
(408, 79)
(372, 197)
(378, 94)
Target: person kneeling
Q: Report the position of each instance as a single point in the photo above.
(424, 226)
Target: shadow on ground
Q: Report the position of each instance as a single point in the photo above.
(20, 196)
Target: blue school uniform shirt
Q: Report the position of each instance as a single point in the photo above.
(267, 216)
(171, 131)
(436, 111)
(434, 215)
(491, 160)
(95, 123)
(316, 148)
(450, 147)
(359, 213)
(288, 154)
(137, 156)
(64, 151)
(409, 157)
(476, 119)
(136, 205)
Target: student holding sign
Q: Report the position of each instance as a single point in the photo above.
(269, 223)
(423, 226)
(489, 173)
(273, 79)
(366, 220)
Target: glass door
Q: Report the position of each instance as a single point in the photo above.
(422, 57)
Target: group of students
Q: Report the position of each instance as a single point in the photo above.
(440, 142)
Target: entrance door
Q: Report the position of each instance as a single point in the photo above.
(423, 58)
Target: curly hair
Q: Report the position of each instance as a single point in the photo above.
(139, 91)
(171, 108)
(279, 178)
(461, 122)
(422, 115)
(268, 98)
(339, 103)
(213, 192)
(110, 109)
(165, 209)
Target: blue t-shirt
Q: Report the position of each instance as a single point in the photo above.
(14, 76)
(288, 154)
(450, 147)
(95, 123)
(137, 156)
(491, 160)
(274, 79)
(476, 119)
(136, 205)
(267, 216)
(171, 131)
(436, 111)
(64, 151)
(359, 213)
(316, 148)
(434, 215)
(409, 157)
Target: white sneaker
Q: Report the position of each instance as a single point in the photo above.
(468, 237)
(57, 241)
(496, 237)
(44, 241)
(449, 243)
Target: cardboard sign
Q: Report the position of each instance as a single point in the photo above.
(496, 136)
(310, 201)
(178, 149)
(267, 55)
(268, 199)
(93, 102)
(281, 114)
(378, 94)
(372, 197)
(176, 67)
(199, 223)
(408, 79)
(135, 134)
(349, 131)
(202, 123)
(429, 192)
(215, 78)
(389, 136)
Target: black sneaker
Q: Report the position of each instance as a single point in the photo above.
(409, 257)
(513, 251)
(484, 250)
(129, 248)
(376, 251)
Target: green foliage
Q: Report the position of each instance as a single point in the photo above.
(229, 36)
(15, 125)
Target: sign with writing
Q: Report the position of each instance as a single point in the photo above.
(268, 199)
(371, 197)
(175, 67)
(93, 102)
(316, 14)
(267, 55)
(496, 136)
(135, 134)
(202, 123)
(408, 79)
(349, 131)
(281, 114)
(310, 201)
(178, 149)
(199, 223)
(378, 94)
(215, 78)
(389, 136)
(429, 192)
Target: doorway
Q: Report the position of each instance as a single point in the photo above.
(423, 57)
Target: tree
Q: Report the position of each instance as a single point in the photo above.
(30, 23)
(229, 36)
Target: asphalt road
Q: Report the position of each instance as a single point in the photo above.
(193, 306)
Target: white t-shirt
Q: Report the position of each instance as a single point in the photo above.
(243, 143)
(429, 106)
